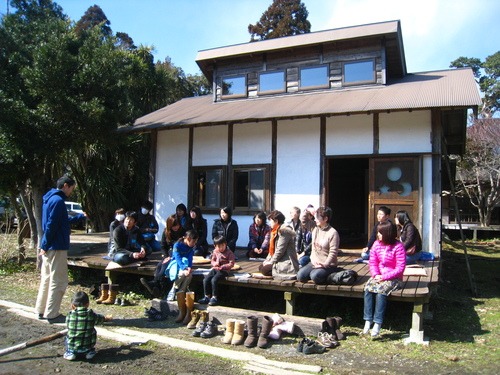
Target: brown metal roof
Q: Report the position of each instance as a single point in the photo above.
(440, 89)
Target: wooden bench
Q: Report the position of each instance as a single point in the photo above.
(416, 289)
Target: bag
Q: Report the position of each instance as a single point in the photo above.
(342, 277)
(384, 287)
(412, 250)
(425, 256)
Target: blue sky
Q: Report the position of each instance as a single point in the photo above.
(435, 32)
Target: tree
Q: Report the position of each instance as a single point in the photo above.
(94, 16)
(479, 169)
(282, 18)
(487, 74)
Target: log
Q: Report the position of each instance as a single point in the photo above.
(29, 344)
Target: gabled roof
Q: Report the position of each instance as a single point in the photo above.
(390, 31)
(440, 89)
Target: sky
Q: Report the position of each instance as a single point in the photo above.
(435, 32)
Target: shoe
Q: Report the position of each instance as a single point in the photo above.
(375, 330)
(40, 316)
(171, 294)
(58, 319)
(126, 302)
(204, 300)
(366, 328)
(199, 329)
(213, 301)
(313, 347)
(118, 301)
(70, 356)
(150, 311)
(156, 316)
(90, 354)
(210, 330)
(327, 340)
(302, 343)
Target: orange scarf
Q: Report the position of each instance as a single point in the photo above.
(274, 233)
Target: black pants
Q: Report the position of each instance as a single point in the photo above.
(210, 282)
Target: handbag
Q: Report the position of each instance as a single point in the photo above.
(384, 287)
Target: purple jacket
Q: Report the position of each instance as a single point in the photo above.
(389, 261)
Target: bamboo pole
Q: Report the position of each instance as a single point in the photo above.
(29, 344)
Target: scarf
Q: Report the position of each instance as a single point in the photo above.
(274, 233)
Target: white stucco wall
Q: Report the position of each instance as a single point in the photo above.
(252, 143)
(210, 145)
(403, 132)
(349, 135)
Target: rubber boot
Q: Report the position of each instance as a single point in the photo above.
(104, 293)
(252, 337)
(113, 292)
(189, 307)
(181, 303)
(338, 323)
(195, 316)
(239, 332)
(228, 336)
(267, 325)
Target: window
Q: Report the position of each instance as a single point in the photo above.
(359, 72)
(251, 189)
(314, 77)
(234, 86)
(208, 183)
(272, 82)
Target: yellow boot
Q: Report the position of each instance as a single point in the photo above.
(239, 332)
(104, 293)
(189, 307)
(113, 292)
(181, 303)
(229, 331)
(195, 316)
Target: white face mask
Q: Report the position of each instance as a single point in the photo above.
(120, 217)
(144, 211)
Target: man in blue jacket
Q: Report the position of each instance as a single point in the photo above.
(53, 250)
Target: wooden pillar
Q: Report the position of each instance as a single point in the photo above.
(112, 277)
(289, 302)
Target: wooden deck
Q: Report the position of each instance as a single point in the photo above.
(87, 251)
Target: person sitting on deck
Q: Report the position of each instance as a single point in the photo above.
(119, 217)
(149, 227)
(383, 214)
(258, 234)
(409, 236)
(129, 243)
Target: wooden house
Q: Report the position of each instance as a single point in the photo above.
(326, 118)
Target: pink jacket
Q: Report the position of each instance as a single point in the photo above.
(224, 260)
(389, 261)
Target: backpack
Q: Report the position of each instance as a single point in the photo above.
(343, 277)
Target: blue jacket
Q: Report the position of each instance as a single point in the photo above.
(55, 221)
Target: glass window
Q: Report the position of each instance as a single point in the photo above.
(250, 189)
(359, 71)
(236, 86)
(312, 77)
(208, 187)
(272, 81)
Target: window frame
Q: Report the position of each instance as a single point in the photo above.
(266, 188)
(194, 193)
(313, 87)
(361, 82)
(273, 91)
(239, 95)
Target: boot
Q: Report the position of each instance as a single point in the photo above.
(267, 325)
(195, 316)
(104, 293)
(181, 303)
(210, 330)
(338, 323)
(202, 324)
(113, 291)
(239, 332)
(228, 336)
(252, 337)
(189, 307)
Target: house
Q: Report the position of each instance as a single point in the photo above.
(325, 118)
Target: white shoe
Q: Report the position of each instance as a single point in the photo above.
(70, 356)
(366, 329)
(376, 330)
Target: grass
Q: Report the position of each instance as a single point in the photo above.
(464, 332)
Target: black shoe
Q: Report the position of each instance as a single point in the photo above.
(118, 301)
(199, 329)
(58, 319)
(150, 311)
(210, 330)
(40, 316)
(313, 347)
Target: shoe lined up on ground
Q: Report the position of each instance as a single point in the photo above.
(328, 340)
(308, 346)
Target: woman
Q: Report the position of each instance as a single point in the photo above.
(325, 246)
(387, 264)
(304, 237)
(199, 224)
(281, 262)
(175, 229)
(227, 227)
(258, 234)
(409, 236)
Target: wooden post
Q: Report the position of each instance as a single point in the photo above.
(112, 277)
(417, 325)
(290, 302)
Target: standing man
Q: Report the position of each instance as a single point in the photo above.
(53, 250)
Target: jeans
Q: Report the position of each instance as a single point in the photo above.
(152, 246)
(211, 281)
(122, 259)
(317, 275)
(365, 256)
(412, 259)
(304, 260)
(380, 302)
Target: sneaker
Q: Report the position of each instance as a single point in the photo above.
(213, 301)
(313, 347)
(199, 329)
(58, 319)
(90, 354)
(204, 300)
(210, 330)
(327, 339)
(70, 356)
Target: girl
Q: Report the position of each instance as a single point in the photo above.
(227, 227)
(199, 224)
(258, 233)
(409, 236)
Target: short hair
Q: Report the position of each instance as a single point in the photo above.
(403, 217)
(132, 214)
(228, 210)
(324, 212)
(120, 211)
(65, 180)
(192, 234)
(276, 216)
(296, 209)
(147, 205)
(386, 210)
(219, 240)
(80, 299)
(388, 231)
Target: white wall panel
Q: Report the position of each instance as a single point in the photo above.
(252, 143)
(210, 145)
(403, 132)
(349, 135)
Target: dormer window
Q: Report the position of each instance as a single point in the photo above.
(314, 77)
(359, 72)
(272, 82)
(234, 86)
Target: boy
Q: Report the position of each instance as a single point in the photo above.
(129, 244)
(82, 336)
(222, 261)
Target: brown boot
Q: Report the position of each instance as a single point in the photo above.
(195, 316)
(267, 325)
(204, 316)
(239, 332)
(104, 293)
(228, 336)
(113, 292)
(189, 307)
(181, 303)
(252, 337)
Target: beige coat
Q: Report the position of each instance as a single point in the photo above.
(284, 259)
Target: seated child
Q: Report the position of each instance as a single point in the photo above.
(82, 336)
(222, 261)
